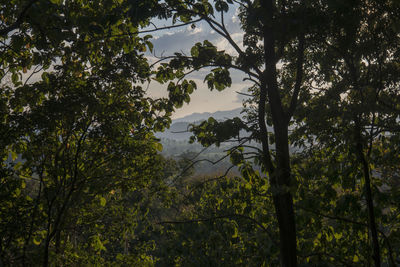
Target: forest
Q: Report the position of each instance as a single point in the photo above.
(311, 168)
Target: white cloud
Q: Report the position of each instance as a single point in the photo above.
(164, 33)
(194, 30)
(223, 44)
(202, 99)
(181, 40)
(205, 100)
(241, 94)
(235, 17)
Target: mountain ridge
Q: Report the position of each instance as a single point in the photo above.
(218, 115)
(179, 126)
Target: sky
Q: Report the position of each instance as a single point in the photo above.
(181, 40)
(167, 42)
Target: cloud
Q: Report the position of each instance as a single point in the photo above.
(195, 30)
(165, 33)
(203, 99)
(239, 95)
(223, 44)
(182, 39)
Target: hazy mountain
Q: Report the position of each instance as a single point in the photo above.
(177, 131)
(179, 127)
(218, 115)
(175, 141)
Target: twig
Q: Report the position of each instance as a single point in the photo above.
(19, 20)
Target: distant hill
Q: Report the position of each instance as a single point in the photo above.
(175, 141)
(178, 131)
(179, 126)
(218, 115)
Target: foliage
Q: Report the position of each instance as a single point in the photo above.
(324, 69)
(82, 181)
(78, 137)
(221, 224)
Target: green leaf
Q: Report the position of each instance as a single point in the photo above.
(45, 77)
(150, 46)
(17, 192)
(194, 51)
(355, 258)
(36, 241)
(14, 78)
(338, 235)
(235, 232)
(103, 201)
(158, 146)
(14, 155)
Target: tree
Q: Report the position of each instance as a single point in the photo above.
(222, 222)
(77, 123)
(275, 33)
(358, 74)
(77, 135)
(284, 52)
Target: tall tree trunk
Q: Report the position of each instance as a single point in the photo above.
(33, 217)
(371, 215)
(46, 250)
(368, 196)
(283, 203)
(280, 181)
(58, 242)
(281, 176)
(283, 200)
(365, 165)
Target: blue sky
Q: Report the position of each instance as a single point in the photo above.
(181, 39)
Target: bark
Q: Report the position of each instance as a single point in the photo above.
(374, 234)
(376, 256)
(283, 200)
(287, 231)
(281, 176)
(58, 242)
(47, 246)
(365, 166)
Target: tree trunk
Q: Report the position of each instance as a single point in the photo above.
(283, 200)
(368, 196)
(46, 252)
(281, 176)
(371, 215)
(58, 242)
(287, 231)
(366, 173)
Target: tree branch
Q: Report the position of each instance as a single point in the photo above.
(356, 223)
(264, 131)
(19, 20)
(299, 77)
(226, 216)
